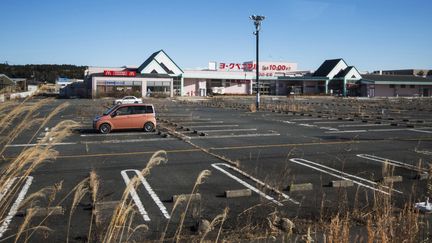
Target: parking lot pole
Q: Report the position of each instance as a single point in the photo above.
(257, 22)
(257, 71)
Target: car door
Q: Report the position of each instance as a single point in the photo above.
(127, 100)
(121, 119)
(137, 118)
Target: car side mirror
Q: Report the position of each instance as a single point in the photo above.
(114, 114)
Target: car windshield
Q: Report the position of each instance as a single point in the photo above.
(110, 110)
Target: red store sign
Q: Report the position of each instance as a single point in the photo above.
(119, 73)
(250, 66)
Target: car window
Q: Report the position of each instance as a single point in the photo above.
(142, 109)
(149, 109)
(109, 110)
(124, 111)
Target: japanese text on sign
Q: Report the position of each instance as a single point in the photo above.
(252, 66)
(119, 73)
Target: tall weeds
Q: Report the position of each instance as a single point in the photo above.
(200, 180)
(125, 208)
(15, 173)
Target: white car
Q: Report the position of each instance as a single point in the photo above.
(128, 100)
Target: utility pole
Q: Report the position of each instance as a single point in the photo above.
(257, 22)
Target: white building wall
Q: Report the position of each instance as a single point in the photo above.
(162, 58)
(139, 79)
(340, 66)
(153, 65)
(310, 87)
(407, 91)
(351, 73)
(189, 87)
(383, 90)
(237, 89)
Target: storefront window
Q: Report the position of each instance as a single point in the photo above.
(158, 88)
(116, 88)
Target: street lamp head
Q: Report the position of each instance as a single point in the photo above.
(257, 21)
(257, 17)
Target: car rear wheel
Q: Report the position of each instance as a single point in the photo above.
(148, 127)
(119, 103)
(105, 128)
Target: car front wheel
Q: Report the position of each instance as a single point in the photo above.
(148, 127)
(105, 128)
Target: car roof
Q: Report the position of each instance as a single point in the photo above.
(138, 104)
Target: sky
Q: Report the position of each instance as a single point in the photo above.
(369, 34)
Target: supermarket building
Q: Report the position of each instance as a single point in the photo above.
(160, 76)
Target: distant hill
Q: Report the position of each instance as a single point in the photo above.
(43, 72)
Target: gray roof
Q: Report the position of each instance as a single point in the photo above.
(344, 72)
(139, 75)
(326, 67)
(151, 57)
(395, 78)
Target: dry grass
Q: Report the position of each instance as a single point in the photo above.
(94, 184)
(200, 180)
(181, 199)
(252, 108)
(382, 220)
(15, 173)
(80, 191)
(125, 209)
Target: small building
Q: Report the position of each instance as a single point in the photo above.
(153, 77)
(67, 87)
(238, 78)
(12, 84)
(373, 85)
(411, 72)
(6, 82)
(160, 76)
(333, 76)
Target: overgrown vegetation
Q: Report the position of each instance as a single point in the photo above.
(43, 72)
(369, 218)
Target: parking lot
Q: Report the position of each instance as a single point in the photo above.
(303, 160)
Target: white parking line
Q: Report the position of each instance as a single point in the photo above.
(117, 134)
(333, 122)
(152, 194)
(391, 162)
(238, 136)
(229, 130)
(93, 142)
(329, 128)
(235, 125)
(285, 121)
(201, 122)
(307, 125)
(347, 131)
(15, 206)
(341, 175)
(128, 140)
(380, 130)
(135, 197)
(8, 184)
(416, 130)
(423, 152)
(216, 166)
(364, 125)
(309, 119)
(37, 144)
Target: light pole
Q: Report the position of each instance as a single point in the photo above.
(257, 22)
